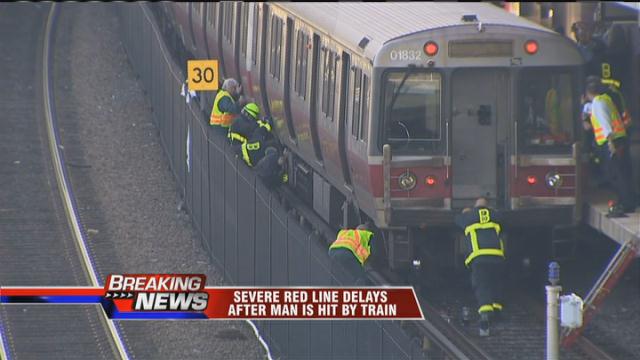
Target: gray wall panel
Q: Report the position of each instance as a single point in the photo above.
(230, 219)
(188, 173)
(369, 340)
(246, 228)
(298, 254)
(299, 339)
(263, 239)
(196, 169)
(205, 190)
(216, 158)
(320, 340)
(279, 261)
(343, 345)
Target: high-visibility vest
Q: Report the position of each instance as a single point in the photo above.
(552, 107)
(617, 126)
(264, 124)
(241, 138)
(357, 241)
(236, 136)
(217, 116)
(472, 232)
(249, 147)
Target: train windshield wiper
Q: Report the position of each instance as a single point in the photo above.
(397, 92)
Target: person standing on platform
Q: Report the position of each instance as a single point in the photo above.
(612, 144)
(485, 257)
(350, 250)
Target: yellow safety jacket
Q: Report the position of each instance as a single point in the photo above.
(217, 116)
(246, 147)
(241, 138)
(614, 87)
(617, 127)
(472, 232)
(357, 241)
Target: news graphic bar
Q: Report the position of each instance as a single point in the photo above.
(179, 296)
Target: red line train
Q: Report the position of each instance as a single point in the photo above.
(404, 113)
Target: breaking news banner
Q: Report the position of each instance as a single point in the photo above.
(185, 296)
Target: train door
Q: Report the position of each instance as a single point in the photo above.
(479, 100)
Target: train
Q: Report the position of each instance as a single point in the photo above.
(402, 114)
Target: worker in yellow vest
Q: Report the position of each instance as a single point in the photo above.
(612, 144)
(227, 104)
(351, 250)
(485, 257)
(611, 87)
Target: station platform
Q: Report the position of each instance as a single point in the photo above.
(622, 230)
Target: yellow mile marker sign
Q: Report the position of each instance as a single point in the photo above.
(202, 74)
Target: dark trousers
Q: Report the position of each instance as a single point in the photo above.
(487, 281)
(619, 172)
(346, 269)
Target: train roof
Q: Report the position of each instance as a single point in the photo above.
(349, 22)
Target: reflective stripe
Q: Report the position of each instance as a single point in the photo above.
(245, 155)
(497, 306)
(265, 125)
(357, 241)
(485, 308)
(238, 137)
(471, 231)
(617, 125)
(217, 116)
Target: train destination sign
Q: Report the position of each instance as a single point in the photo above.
(202, 75)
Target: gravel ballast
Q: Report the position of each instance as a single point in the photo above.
(126, 193)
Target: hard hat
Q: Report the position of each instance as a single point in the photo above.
(252, 110)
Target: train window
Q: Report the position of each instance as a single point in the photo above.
(328, 82)
(276, 47)
(254, 38)
(227, 26)
(298, 66)
(357, 102)
(546, 110)
(364, 126)
(325, 79)
(412, 109)
(304, 65)
(360, 104)
(302, 52)
(244, 28)
(279, 48)
(211, 16)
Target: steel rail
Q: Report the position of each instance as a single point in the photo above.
(62, 177)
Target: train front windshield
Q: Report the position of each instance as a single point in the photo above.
(546, 118)
(412, 111)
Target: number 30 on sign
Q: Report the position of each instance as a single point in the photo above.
(202, 74)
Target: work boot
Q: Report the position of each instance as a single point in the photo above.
(484, 325)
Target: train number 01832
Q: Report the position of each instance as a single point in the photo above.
(405, 55)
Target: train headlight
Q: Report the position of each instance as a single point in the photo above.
(531, 47)
(553, 180)
(407, 181)
(430, 48)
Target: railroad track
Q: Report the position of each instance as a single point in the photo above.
(452, 341)
(45, 244)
